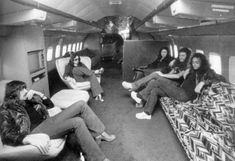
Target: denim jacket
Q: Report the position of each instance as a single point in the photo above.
(16, 121)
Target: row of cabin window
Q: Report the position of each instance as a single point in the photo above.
(66, 48)
(214, 60)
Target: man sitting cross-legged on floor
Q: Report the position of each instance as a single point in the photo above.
(24, 120)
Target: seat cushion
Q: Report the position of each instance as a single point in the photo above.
(67, 97)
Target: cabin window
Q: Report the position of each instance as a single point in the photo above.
(175, 47)
(57, 51)
(231, 71)
(215, 61)
(69, 47)
(81, 46)
(171, 50)
(199, 51)
(74, 47)
(78, 46)
(64, 50)
(49, 53)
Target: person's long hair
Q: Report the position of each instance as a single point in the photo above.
(12, 91)
(167, 57)
(182, 65)
(72, 57)
(204, 67)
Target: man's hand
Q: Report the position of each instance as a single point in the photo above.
(71, 80)
(32, 92)
(40, 140)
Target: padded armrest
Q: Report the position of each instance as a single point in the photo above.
(29, 152)
(67, 97)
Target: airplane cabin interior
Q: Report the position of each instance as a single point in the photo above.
(114, 41)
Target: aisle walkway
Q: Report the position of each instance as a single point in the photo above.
(137, 140)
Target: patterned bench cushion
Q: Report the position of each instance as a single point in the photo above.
(206, 129)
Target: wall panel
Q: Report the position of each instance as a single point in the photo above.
(15, 59)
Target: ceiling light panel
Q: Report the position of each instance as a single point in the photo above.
(115, 2)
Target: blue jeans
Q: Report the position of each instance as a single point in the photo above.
(162, 87)
(82, 121)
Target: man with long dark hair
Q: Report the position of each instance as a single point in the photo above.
(24, 120)
(163, 60)
(178, 68)
(176, 72)
(77, 71)
(198, 75)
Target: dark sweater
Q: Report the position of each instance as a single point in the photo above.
(157, 64)
(189, 84)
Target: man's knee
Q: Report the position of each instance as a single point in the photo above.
(154, 92)
(78, 122)
(80, 103)
(154, 75)
(161, 80)
(79, 106)
(153, 83)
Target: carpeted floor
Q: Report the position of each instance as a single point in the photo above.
(137, 140)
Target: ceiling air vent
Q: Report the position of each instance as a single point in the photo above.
(202, 10)
(222, 8)
(115, 2)
(23, 17)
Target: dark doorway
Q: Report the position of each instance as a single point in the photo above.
(112, 45)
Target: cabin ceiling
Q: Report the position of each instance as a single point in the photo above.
(180, 14)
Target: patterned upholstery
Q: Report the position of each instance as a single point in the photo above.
(205, 128)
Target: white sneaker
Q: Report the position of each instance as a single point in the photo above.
(127, 85)
(101, 70)
(135, 98)
(97, 71)
(99, 98)
(143, 115)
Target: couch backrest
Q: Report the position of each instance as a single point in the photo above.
(2, 89)
(62, 62)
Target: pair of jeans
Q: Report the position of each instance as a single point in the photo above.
(80, 120)
(162, 87)
(143, 72)
(143, 81)
(82, 74)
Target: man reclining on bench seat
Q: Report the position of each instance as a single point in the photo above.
(198, 75)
